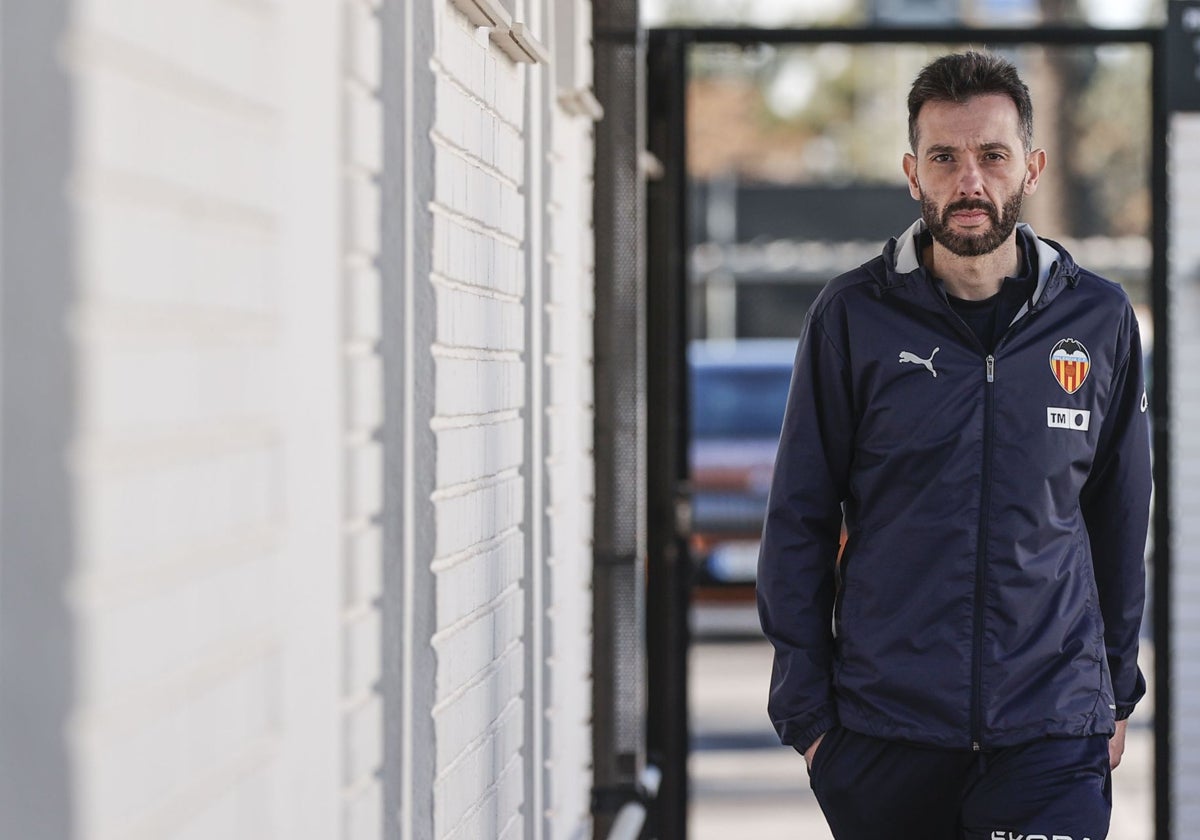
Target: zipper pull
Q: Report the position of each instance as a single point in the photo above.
(991, 368)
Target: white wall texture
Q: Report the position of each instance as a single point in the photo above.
(511, 274)
(480, 413)
(243, 581)
(1185, 477)
(203, 495)
(568, 467)
(361, 116)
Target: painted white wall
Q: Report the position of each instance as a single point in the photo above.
(359, 121)
(1185, 492)
(242, 548)
(202, 497)
(496, 436)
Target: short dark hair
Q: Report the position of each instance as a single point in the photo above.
(962, 76)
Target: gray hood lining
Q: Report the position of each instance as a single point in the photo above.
(907, 260)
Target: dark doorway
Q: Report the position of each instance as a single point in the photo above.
(742, 235)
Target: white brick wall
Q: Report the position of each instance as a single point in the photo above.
(194, 539)
(568, 349)
(479, 415)
(1185, 514)
(178, 498)
(507, 539)
(362, 575)
(568, 469)
(240, 559)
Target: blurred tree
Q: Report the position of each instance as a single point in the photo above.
(835, 113)
(1098, 184)
(1112, 123)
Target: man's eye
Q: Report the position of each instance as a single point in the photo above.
(942, 158)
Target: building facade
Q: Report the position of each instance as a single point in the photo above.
(297, 419)
(297, 400)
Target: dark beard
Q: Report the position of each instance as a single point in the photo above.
(973, 245)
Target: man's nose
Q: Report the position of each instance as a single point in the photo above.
(970, 180)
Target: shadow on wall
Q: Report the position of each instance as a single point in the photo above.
(37, 545)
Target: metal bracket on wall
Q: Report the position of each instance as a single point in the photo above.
(629, 802)
(490, 13)
(631, 816)
(581, 102)
(520, 44)
(515, 39)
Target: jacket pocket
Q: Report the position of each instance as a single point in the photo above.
(842, 579)
(839, 601)
(825, 749)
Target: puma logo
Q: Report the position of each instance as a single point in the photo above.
(913, 358)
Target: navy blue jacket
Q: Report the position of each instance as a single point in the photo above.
(991, 587)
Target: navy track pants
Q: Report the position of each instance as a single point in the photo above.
(1050, 789)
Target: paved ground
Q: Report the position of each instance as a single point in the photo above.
(746, 786)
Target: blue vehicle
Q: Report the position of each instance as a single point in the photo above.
(738, 390)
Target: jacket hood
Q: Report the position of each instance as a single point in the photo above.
(1055, 266)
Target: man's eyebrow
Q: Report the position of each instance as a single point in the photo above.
(942, 148)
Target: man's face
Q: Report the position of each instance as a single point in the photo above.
(971, 172)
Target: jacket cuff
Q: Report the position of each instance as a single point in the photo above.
(825, 720)
(1125, 708)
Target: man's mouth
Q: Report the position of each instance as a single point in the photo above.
(971, 216)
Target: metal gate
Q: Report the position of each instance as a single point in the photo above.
(669, 572)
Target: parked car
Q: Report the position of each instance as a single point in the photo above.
(738, 390)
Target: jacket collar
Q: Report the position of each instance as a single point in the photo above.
(1055, 267)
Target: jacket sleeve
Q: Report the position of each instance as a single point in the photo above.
(1115, 503)
(800, 538)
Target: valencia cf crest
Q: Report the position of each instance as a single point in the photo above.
(1070, 362)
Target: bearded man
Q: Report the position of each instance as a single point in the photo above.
(970, 407)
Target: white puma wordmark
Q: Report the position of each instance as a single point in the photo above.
(913, 358)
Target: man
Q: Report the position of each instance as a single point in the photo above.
(970, 407)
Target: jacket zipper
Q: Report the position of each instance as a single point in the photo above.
(981, 559)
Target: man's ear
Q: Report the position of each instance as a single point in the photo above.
(910, 170)
(1035, 163)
